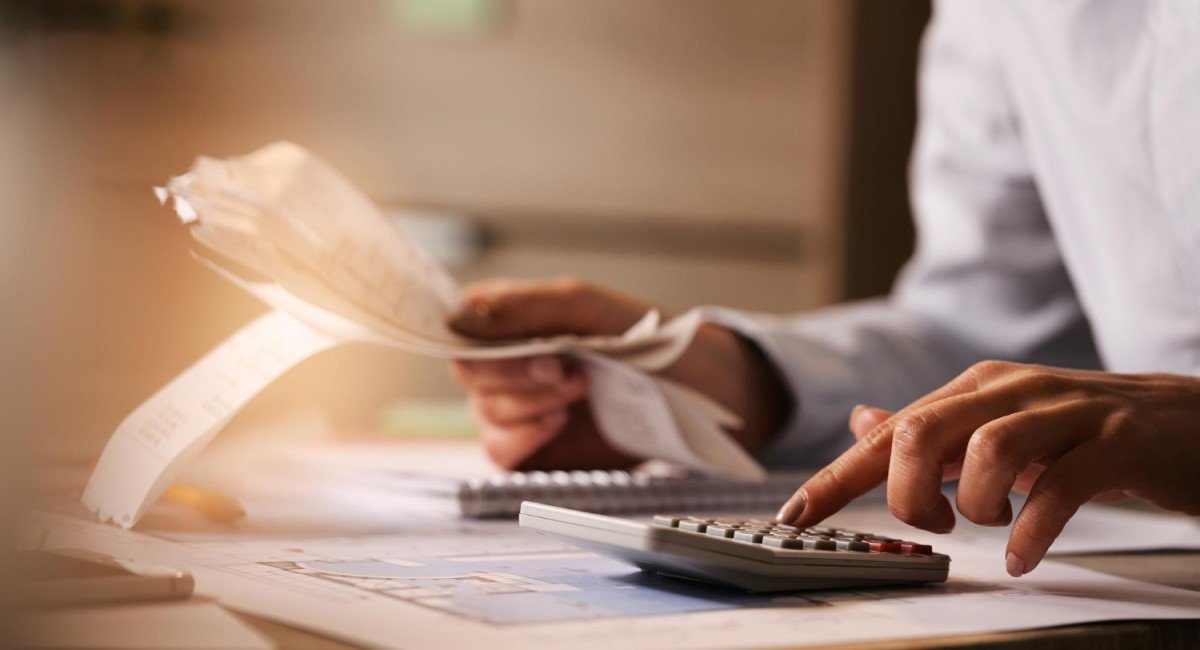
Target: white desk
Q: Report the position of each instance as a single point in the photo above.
(305, 517)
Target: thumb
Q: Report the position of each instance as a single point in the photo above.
(507, 309)
(865, 418)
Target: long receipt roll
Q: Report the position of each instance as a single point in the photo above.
(165, 433)
(339, 273)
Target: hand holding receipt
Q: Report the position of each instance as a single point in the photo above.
(340, 273)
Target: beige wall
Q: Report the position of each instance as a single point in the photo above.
(677, 111)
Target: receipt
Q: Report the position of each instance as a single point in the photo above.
(286, 227)
(651, 417)
(165, 433)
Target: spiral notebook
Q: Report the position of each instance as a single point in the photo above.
(611, 491)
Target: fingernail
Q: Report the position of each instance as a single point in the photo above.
(546, 370)
(792, 510)
(854, 413)
(1015, 565)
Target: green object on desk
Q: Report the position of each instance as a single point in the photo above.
(450, 16)
(443, 419)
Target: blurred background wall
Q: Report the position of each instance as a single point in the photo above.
(745, 153)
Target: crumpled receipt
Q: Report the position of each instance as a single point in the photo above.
(288, 228)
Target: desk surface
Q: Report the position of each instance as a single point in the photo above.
(1175, 568)
(1178, 569)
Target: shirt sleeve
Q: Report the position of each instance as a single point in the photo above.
(986, 280)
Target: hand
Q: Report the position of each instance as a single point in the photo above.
(533, 412)
(1066, 436)
(864, 419)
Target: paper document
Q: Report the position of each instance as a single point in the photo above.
(433, 582)
(286, 227)
(169, 430)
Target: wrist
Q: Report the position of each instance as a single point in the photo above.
(734, 371)
(769, 402)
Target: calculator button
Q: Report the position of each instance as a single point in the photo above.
(783, 542)
(817, 538)
(852, 545)
(884, 547)
(717, 530)
(747, 536)
(913, 548)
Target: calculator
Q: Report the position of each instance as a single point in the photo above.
(750, 554)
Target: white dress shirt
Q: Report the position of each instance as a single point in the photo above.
(1056, 188)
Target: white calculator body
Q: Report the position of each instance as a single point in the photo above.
(754, 555)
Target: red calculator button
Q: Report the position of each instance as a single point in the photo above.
(884, 547)
(912, 548)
